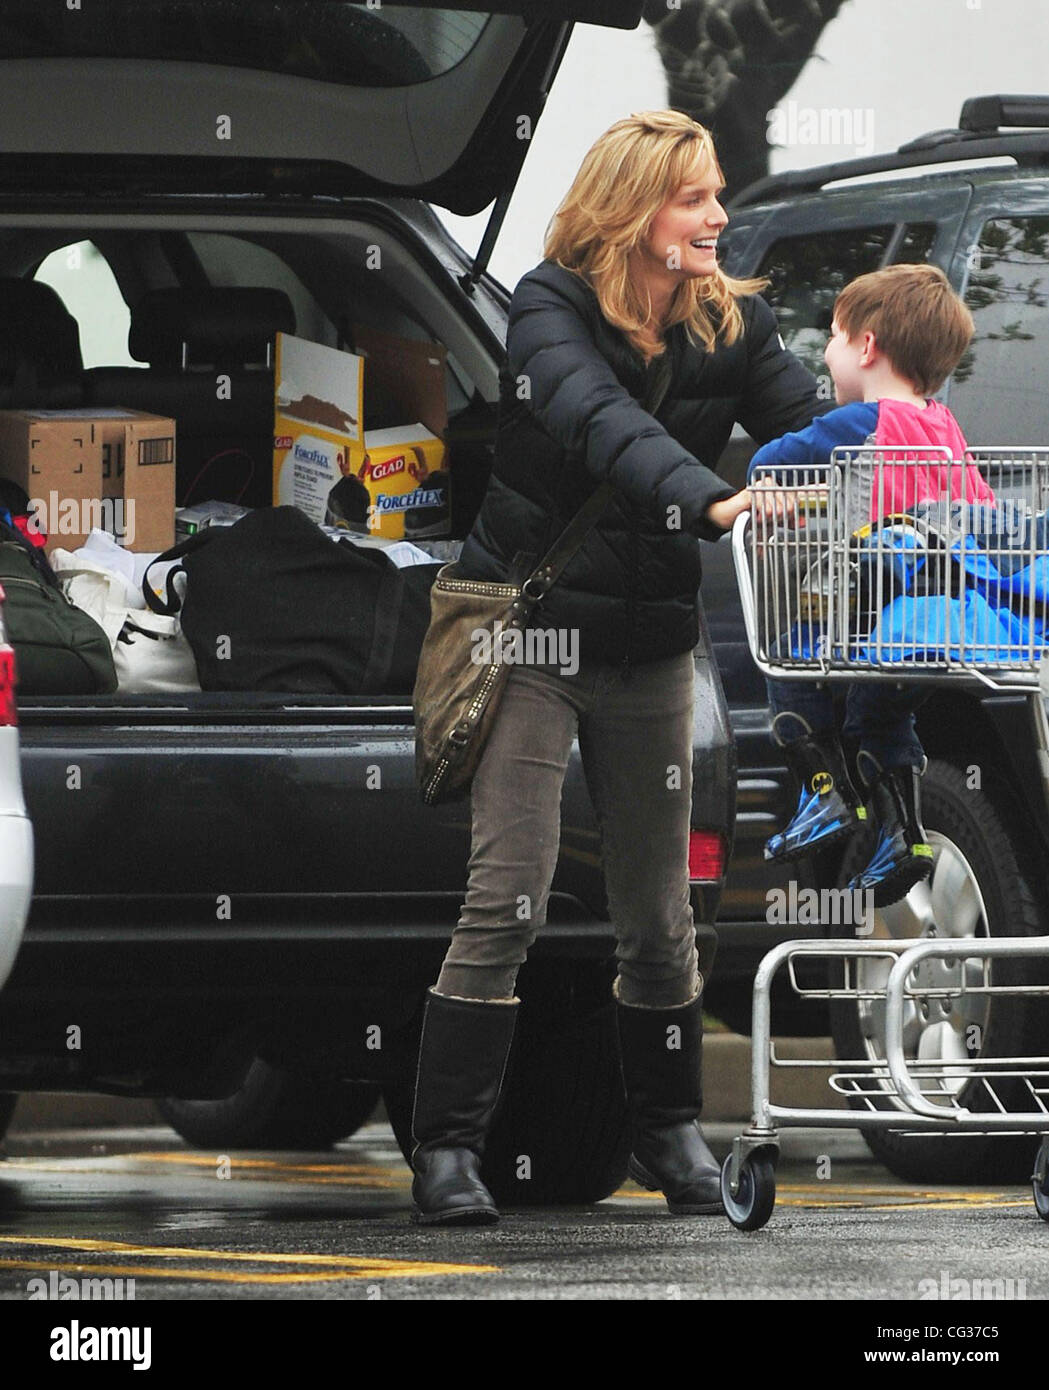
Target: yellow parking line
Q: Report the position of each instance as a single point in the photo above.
(909, 1201)
(258, 1257)
(207, 1160)
(315, 1267)
(948, 1204)
(405, 1270)
(960, 1205)
(194, 1160)
(352, 1175)
(843, 1188)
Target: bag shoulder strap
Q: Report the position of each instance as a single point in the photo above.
(552, 565)
(179, 551)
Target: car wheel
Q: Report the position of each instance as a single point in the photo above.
(981, 886)
(7, 1109)
(560, 1136)
(274, 1108)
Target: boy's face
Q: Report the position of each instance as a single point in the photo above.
(845, 358)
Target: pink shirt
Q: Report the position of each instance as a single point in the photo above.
(904, 427)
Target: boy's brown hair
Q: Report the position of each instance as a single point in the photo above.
(920, 324)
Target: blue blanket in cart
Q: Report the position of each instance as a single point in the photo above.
(996, 610)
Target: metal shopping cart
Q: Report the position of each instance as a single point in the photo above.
(900, 565)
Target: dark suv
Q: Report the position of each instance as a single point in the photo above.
(239, 897)
(974, 201)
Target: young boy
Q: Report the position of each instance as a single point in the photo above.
(897, 334)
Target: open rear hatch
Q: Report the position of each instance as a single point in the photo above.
(299, 97)
(304, 96)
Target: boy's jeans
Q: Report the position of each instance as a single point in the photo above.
(879, 716)
(635, 731)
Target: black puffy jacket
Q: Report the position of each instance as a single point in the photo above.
(631, 590)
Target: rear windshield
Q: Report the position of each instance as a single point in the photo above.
(356, 45)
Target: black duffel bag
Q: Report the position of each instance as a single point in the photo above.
(273, 603)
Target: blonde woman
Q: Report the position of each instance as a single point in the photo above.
(630, 290)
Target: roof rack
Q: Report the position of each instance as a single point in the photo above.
(983, 133)
(993, 113)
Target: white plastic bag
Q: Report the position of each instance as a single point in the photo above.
(150, 651)
(152, 655)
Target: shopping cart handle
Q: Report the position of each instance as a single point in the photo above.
(744, 579)
(811, 499)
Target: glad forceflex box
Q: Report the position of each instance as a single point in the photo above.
(405, 469)
(318, 433)
(403, 472)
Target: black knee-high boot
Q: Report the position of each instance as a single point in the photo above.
(462, 1060)
(661, 1052)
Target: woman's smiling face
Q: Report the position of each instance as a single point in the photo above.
(684, 233)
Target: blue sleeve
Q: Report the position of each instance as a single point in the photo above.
(850, 424)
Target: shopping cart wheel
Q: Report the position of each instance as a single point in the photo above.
(1039, 1183)
(752, 1205)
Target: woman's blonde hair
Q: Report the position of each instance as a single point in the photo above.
(628, 174)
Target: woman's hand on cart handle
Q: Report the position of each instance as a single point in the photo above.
(724, 513)
(777, 503)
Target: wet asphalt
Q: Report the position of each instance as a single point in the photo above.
(188, 1225)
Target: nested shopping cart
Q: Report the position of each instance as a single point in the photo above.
(903, 566)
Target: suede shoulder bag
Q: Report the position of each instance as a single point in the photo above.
(455, 698)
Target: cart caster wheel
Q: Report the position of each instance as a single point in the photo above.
(752, 1205)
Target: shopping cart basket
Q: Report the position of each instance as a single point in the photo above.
(928, 569)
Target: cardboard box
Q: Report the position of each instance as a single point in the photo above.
(110, 469)
(138, 468)
(318, 433)
(56, 455)
(403, 380)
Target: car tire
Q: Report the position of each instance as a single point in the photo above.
(982, 885)
(560, 1135)
(274, 1108)
(8, 1102)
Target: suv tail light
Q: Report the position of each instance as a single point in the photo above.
(706, 855)
(8, 705)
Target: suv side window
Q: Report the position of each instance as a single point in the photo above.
(81, 277)
(232, 260)
(809, 272)
(998, 388)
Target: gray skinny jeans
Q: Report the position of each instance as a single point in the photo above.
(635, 730)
